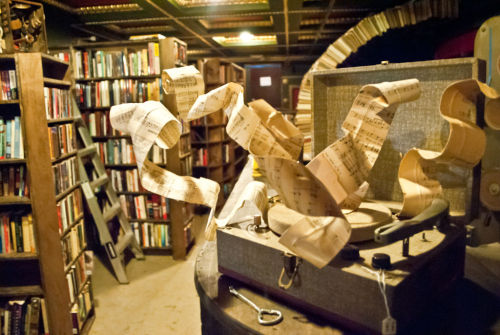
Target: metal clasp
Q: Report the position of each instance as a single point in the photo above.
(290, 267)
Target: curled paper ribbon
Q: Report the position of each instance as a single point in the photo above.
(260, 129)
(151, 122)
(465, 146)
(183, 85)
(344, 166)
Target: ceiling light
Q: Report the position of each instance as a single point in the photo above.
(246, 37)
(245, 41)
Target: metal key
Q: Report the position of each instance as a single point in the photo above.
(261, 311)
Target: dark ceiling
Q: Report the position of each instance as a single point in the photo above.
(301, 29)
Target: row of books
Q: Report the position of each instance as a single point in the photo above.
(24, 316)
(62, 140)
(184, 145)
(58, 103)
(152, 234)
(216, 73)
(116, 151)
(65, 174)
(14, 181)
(146, 207)
(114, 92)
(62, 55)
(180, 53)
(16, 233)
(11, 138)
(120, 151)
(185, 126)
(125, 180)
(201, 157)
(8, 82)
(186, 166)
(69, 210)
(76, 277)
(99, 124)
(81, 309)
(73, 243)
(101, 64)
(226, 149)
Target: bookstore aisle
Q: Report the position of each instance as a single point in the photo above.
(160, 299)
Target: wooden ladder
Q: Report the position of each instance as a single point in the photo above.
(104, 215)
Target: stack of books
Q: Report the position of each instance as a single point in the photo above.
(16, 233)
(11, 138)
(102, 64)
(24, 316)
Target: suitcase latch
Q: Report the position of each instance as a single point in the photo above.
(290, 267)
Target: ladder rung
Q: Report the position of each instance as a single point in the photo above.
(91, 150)
(99, 181)
(111, 212)
(124, 242)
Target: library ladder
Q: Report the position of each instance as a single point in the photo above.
(103, 216)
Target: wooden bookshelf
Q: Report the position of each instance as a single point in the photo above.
(42, 272)
(215, 155)
(96, 114)
(179, 157)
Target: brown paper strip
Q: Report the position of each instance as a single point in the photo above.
(465, 146)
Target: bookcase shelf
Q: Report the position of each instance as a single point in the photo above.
(66, 192)
(18, 256)
(73, 224)
(21, 291)
(12, 161)
(214, 153)
(41, 78)
(144, 77)
(13, 200)
(9, 102)
(61, 120)
(51, 82)
(121, 54)
(64, 157)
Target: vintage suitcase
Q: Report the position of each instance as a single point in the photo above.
(416, 124)
(346, 291)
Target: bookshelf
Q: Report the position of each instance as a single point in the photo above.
(179, 157)
(215, 155)
(42, 200)
(111, 73)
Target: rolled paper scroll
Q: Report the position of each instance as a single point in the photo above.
(183, 85)
(344, 166)
(151, 122)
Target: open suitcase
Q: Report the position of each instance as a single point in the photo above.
(347, 291)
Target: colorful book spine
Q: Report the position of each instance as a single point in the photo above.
(16, 233)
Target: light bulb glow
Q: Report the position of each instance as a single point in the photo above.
(245, 36)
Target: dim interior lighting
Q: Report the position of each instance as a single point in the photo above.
(245, 36)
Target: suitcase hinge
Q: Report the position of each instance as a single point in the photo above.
(290, 267)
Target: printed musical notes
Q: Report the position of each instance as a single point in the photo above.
(185, 84)
(345, 165)
(151, 122)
